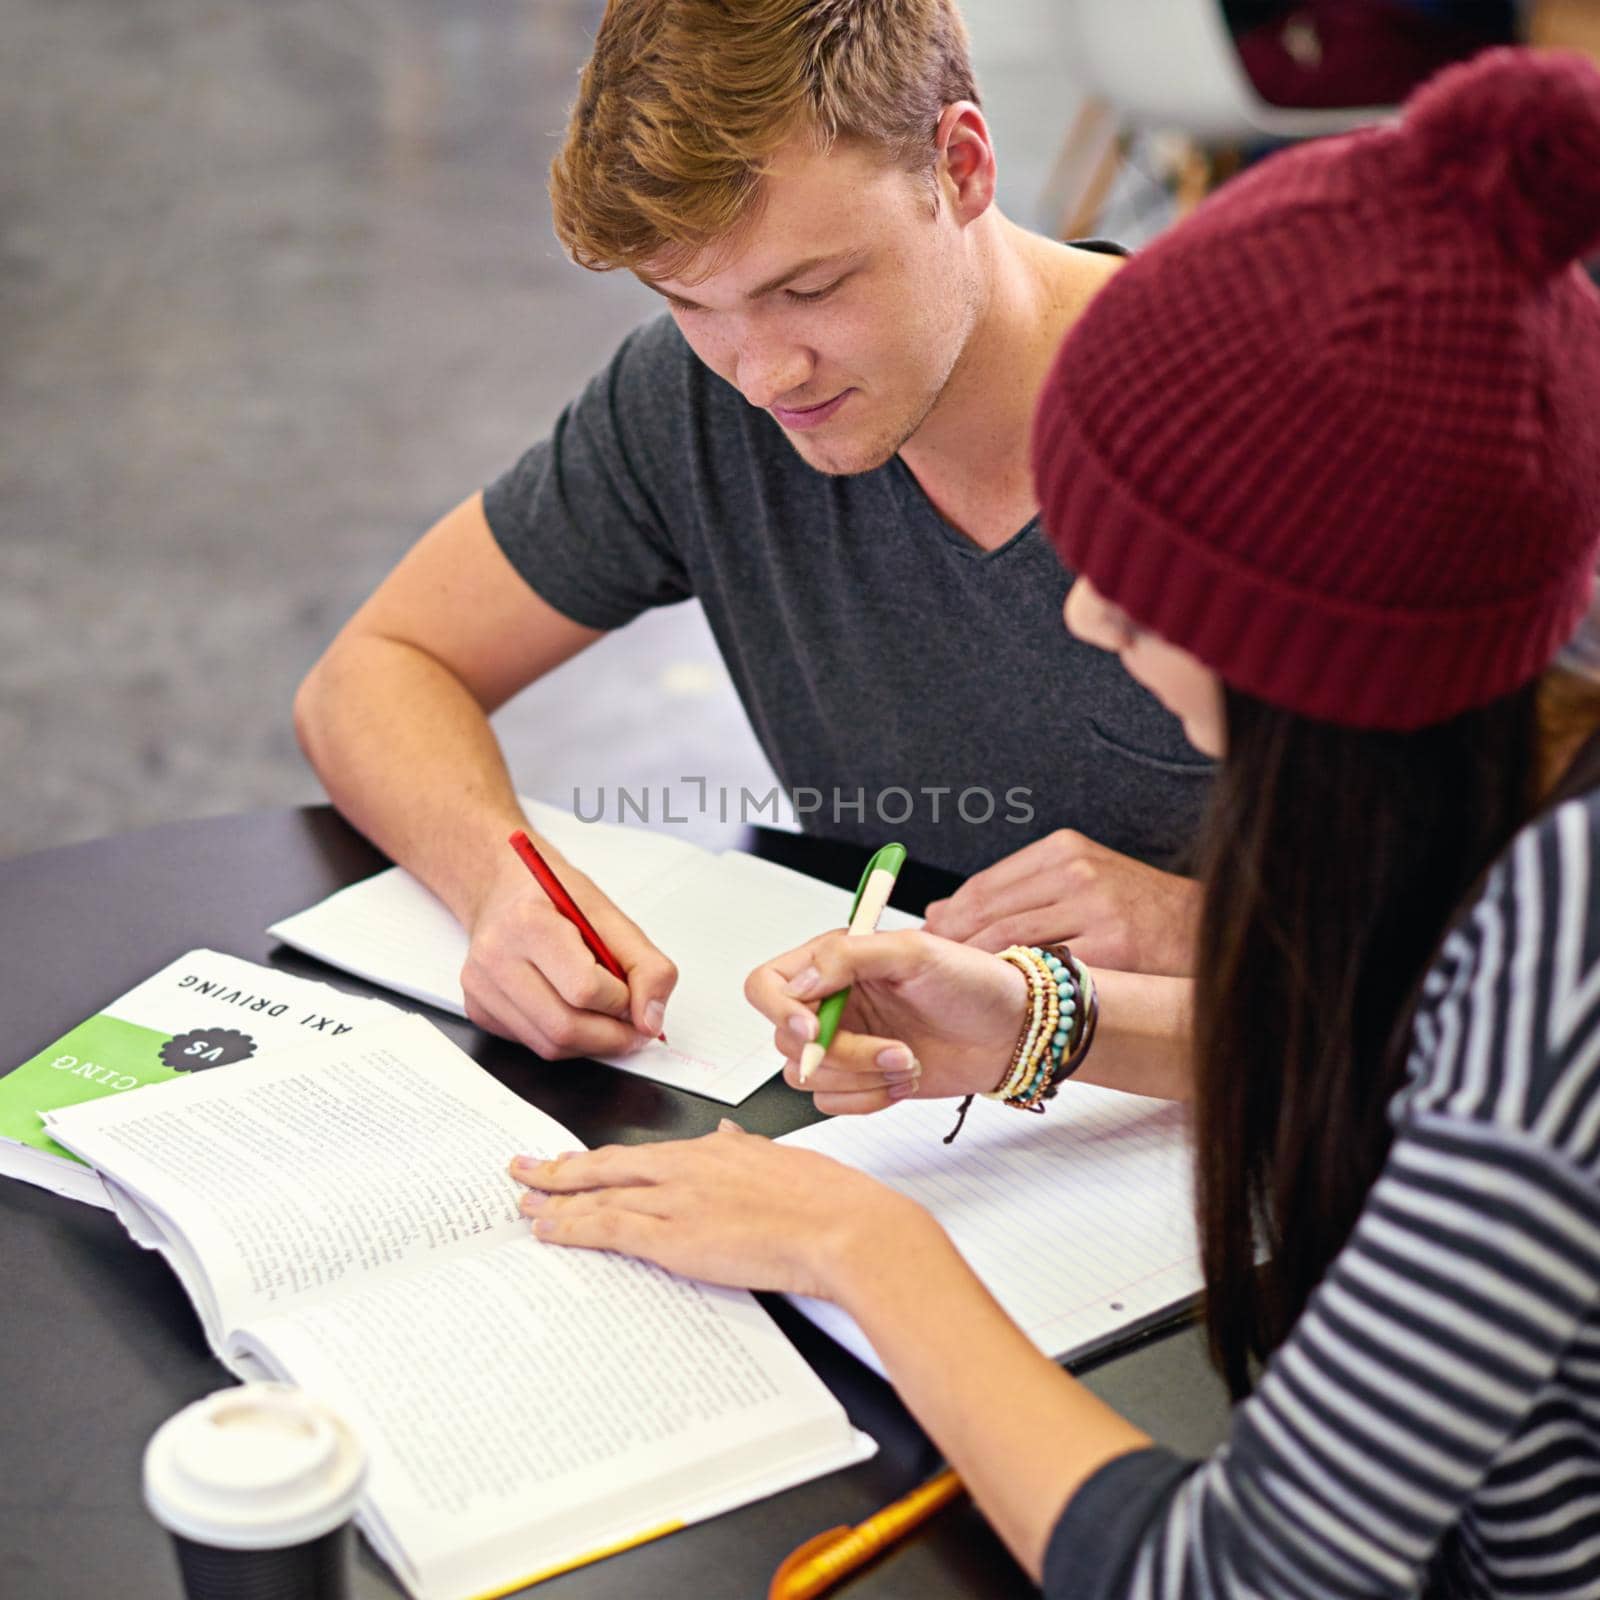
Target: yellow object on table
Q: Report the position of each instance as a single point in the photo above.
(821, 1562)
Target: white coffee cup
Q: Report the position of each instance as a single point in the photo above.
(257, 1485)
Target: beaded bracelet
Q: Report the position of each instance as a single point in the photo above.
(1091, 1020)
(1045, 1013)
(1063, 973)
(1063, 1012)
(1053, 1024)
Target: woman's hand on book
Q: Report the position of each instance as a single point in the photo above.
(530, 977)
(926, 1017)
(729, 1208)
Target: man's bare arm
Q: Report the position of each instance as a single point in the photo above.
(395, 720)
(395, 716)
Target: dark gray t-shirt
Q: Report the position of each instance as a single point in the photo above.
(903, 682)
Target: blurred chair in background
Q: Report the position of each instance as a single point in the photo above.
(1566, 24)
(1334, 53)
(1225, 77)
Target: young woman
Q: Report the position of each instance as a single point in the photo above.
(1327, 462)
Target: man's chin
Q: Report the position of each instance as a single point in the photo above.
(841, 458)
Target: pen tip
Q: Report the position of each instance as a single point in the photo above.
(810, 1059)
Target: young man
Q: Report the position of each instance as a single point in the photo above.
(825, 439)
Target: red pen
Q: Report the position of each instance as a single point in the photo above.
(567, 906)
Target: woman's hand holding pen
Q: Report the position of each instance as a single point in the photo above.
(530, 977)
(926, 1017)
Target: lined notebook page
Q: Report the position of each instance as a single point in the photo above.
(392, 931)
(626, 863)
(715, 916)
(1079, 1221)
(389, 930)
(718, 921)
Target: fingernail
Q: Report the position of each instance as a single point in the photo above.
(896, 1058)
(544, 1227)
(524, 1163)
(803, 983)
(653, 1013)
(639, 1041)
(804, 1024)
(532, 1202)
(902, 1090)
(728, 1125)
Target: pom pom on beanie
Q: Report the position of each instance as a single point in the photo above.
(1515, 136)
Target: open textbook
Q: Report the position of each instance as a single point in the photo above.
(716, 915)
(342, 1218)
(1080, 1222)
(203, 1010)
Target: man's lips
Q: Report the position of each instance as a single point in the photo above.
(800, 418)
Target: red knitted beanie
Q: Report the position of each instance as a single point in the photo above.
(1338, 433)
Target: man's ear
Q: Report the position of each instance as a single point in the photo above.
(965, 170)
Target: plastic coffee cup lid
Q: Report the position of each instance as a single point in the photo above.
(258, 1467)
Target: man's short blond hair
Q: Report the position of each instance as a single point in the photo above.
(684, 102)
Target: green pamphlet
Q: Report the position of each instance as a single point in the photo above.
(204, 1010)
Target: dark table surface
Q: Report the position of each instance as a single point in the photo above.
(98, 1344)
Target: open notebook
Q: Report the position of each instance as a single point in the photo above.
(1080, 1221)
(716, 915)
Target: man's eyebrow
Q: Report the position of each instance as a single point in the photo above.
(666, 294)
(844, 259)
(799, 270)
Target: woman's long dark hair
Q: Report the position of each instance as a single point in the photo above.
(1334, 860)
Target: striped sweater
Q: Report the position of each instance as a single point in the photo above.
(1432, 1423)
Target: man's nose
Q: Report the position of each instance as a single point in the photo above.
(768, 368)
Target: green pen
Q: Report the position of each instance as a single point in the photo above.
(872, 895)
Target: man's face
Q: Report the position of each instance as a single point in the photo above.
(843, 311)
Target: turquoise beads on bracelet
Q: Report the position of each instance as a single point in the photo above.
(1053, 1028)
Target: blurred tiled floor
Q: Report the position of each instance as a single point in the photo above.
(277, 287)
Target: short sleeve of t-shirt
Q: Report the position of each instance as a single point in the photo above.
(586, 515)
